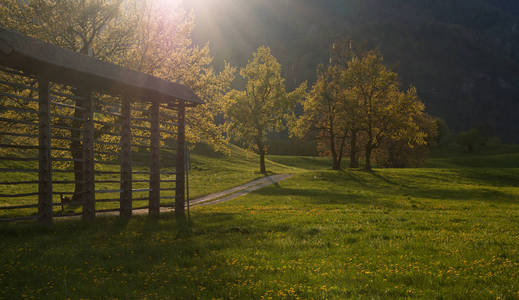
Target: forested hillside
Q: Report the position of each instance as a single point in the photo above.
(461, 54)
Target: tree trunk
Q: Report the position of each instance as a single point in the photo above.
(335, 161)
(368, 158)
(263, 170)
(341, 153)
(354, 158)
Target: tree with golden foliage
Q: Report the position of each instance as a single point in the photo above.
(330, 111)
(359, 103)
(140, 35)
(325, 114)
(386, 113)
(262, 106)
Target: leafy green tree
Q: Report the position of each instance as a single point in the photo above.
(263, 105)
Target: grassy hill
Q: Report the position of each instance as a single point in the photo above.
(449, 230)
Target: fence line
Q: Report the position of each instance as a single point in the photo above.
(78, 139)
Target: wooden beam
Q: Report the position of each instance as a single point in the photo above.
(44, 155)
(126, 160)
(181, 161)
(154, 210)
(88, 176)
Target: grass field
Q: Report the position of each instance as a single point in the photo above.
(211, 172)
(446, 231)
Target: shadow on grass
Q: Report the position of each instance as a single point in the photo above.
(315, 196)
(494, 177)
(484, 195)
(360, 189)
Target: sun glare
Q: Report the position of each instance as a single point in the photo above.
(168, 4)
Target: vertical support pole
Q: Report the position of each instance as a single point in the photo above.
(181, 161)
(126, 160)
(154, 204)
(44, 155)
(188, 167)
(89, 201)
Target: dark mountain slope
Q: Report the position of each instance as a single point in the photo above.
(463, 55)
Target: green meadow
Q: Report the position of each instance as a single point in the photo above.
(449, 230)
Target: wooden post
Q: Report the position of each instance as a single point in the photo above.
(181, 161)
(44, 155)
(154, 204)
(89, 201)
(126, 160)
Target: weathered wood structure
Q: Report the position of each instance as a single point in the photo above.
(75, 130)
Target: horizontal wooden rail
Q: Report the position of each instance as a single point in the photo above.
(64, 138)
(31, 123)
(107, 191)
(141, 190)
(17, 73)
(18, 85)
(19, 182)
(66, 127)
(66, 105)
(17, 195)
(141, 119)
(23, 98)
(108, 133)
(106, 123)
(106, 143)
(59, 149)
(57, 159)
(109, 163)
(140, 128)
(108, 113)
(19, 158)
(66, 117)
(18, 170)
(18, 109)
(69, 96)
(18, 206)
(18, 134)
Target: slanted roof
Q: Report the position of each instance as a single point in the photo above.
(64, 66)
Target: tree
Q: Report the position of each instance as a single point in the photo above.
(324, 114)
(164, 48)
(414, 132)
(97, 28)
(330, 112)
(145, 36)
(375, 89)
(262, 106)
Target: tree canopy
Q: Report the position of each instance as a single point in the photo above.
(262, 106)
(357, 101)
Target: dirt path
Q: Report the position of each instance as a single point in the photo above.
(215, 198)
(230, 194)
(239, 191)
